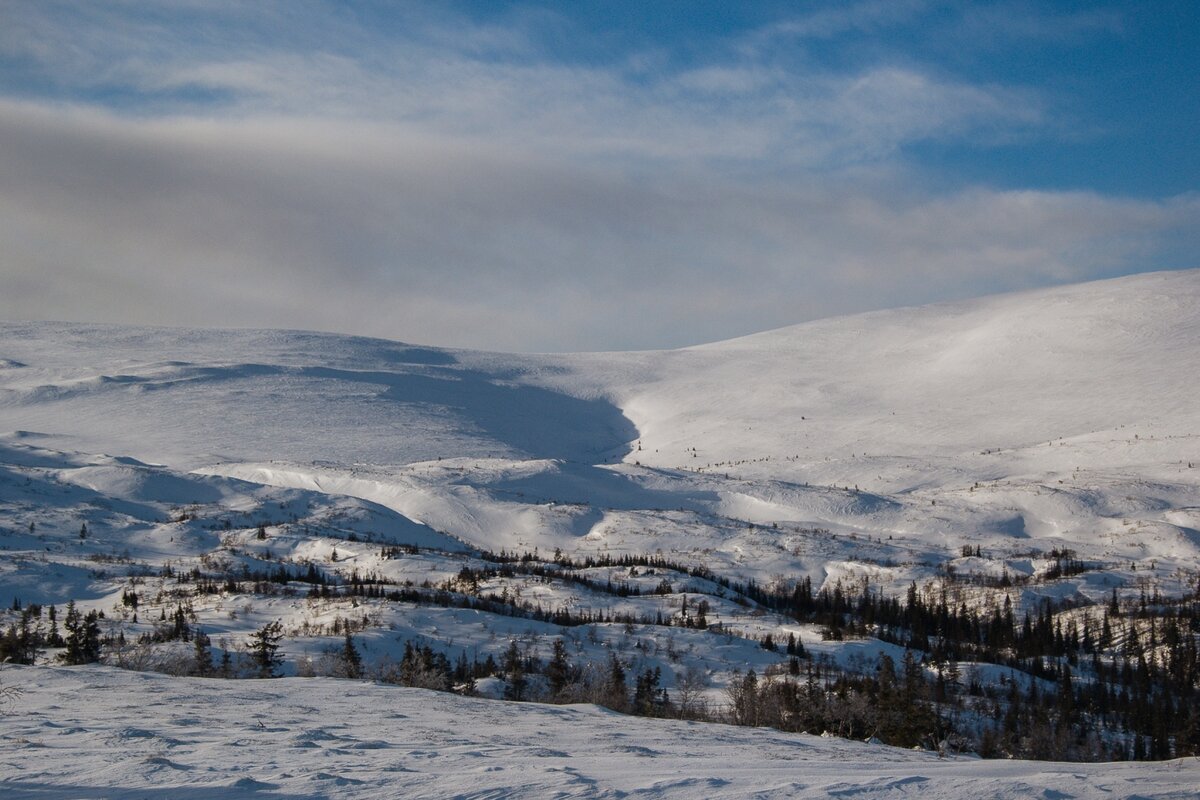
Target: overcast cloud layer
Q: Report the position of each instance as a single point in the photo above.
(452, 180)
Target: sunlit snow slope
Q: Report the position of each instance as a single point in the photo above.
(1090, 366)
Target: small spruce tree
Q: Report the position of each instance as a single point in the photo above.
(351, 660)
(264, 649)
(202, 663)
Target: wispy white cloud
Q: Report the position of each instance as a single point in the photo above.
(864, 16)
(990, 26)
(983, 26)
(454, 78)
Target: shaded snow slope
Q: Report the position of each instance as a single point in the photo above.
(188, 397)
(149, 736)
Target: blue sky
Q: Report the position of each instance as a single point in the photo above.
(584, 175)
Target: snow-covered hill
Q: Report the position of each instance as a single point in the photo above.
(1062, 417)
(1089, 365)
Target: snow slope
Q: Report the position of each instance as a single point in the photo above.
(190, 397)
(300, 738)
(1086, 364)
(1023, 422)
(1090, 364)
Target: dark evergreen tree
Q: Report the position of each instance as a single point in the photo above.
(351, 660)
(649, 699)
(264, 649)
(83, 636)
(20, 642)
(616, 692)
(201, 654)
(558, 671)
(514, 673)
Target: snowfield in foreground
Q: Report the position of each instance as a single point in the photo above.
(104, 733)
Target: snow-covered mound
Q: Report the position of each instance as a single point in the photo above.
(99, 732)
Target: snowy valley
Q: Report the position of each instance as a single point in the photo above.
(971, 528)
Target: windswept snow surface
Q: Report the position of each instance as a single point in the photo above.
(104, 733)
